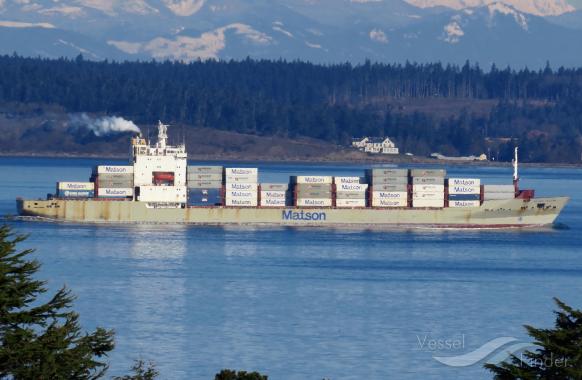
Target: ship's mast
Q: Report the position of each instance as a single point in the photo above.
(515, 171)
(162, 135)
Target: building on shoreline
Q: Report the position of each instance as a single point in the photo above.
(375, 145)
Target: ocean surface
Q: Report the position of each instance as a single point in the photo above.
(305, 303)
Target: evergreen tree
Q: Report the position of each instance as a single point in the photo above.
(141, 371)
(42, 340)
(559, 356)
(229, 374)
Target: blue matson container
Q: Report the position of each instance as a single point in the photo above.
(76, 194)
(464, 197)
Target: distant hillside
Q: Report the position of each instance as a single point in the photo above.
(429, 108)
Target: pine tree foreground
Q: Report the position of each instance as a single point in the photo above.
(559, 355)
(42, 340)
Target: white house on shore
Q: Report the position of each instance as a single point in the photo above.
(375, 145)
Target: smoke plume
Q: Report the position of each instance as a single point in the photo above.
(103, 126)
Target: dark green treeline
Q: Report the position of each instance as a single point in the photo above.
(539, 109)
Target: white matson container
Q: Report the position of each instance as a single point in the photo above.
(114, 169)
(75, 186)
(464, 182)
(346, 180)
(114, 192)
(314, 202)
(348, 203)
(383, 202)
(313, 179)
(390, 195)
(241, 202)
(356, 187)
(437, 203)
(245, 186)
(461, 189)
(273, 194)
(272, 202)
(241, 194)
(460, 204)
(241, 171)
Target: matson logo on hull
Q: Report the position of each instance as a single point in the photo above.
(304, 216)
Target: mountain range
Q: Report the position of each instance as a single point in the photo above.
(519, 33)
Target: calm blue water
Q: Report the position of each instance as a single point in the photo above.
(301, 303)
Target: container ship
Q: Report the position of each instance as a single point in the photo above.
(160, 187)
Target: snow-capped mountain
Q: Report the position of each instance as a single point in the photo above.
(534, 7)
(505, 32)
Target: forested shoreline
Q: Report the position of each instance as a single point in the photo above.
(486, 110)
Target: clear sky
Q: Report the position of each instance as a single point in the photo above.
(576, 3)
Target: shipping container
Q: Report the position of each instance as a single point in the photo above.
(428, 173)
(313, 187)
(394, 187)
(113, 185)
(428, 181)
(464, 197)
(384, 202)
(314, 194)
(389, 180)
(235, 172)
(240, 194)
(467, 182)
(103, 192)
(428, 195)
(314, 202)
(312, 179)
(461, 189)
(357, 187)
(464, 203)
(497, 196)
(269, 202)
(62, 193)
(274, 194)
(435, 203)
(205, 202)
(350, 195)
(253, 178)
(390, 195)
(205, 170)
(241, 202)
(209, 191)
(420, 188)
(75, 186)
(349, 203)
(204, 177)
(386, 172)
(241, 186)
(347, 180)
(113, 169)
(204, 184)
(114, 177)
(499, 189)
(275, 186)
